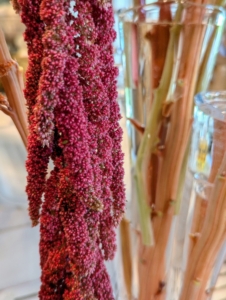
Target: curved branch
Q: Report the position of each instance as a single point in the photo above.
(12, 82)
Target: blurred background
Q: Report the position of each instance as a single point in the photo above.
(19, 257)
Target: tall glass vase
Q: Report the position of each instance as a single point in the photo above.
(206, 247)
(169, 49)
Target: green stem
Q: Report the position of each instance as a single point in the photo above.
(150, 138)
(182, 179)
(208, 63)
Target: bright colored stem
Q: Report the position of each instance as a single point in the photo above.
(150, 139)
(202, 208)
(12, 83)
(208, 61)
(152, 272)
(126, 255)
(212, 237)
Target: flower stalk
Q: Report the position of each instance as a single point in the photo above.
(211, 239)
(14, 104)
(202, 216)
(150, 140)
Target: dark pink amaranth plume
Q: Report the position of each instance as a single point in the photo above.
(53, 254)
(38, 156)
(55, 41)
(98, 106)
(74, 118)
(115, 191)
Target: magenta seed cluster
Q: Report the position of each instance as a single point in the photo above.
(74, 122)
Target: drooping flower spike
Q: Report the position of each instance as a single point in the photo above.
(38, 156)
(74, 119)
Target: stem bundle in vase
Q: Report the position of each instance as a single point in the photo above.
(166, 103)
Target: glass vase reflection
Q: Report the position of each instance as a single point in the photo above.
(200, 158)
(208, 146)
(206, 159)
(209, 121)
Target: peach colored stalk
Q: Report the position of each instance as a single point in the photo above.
(219, 147)
(126, 255)
(152, 271)
(212, 237)
(197, 221)
(205, 293)
(13, 105)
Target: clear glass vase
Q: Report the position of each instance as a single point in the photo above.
(206, 236)
(156, 39)
(169, 50)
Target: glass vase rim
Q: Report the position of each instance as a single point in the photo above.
(213, 104)
(123, 12)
